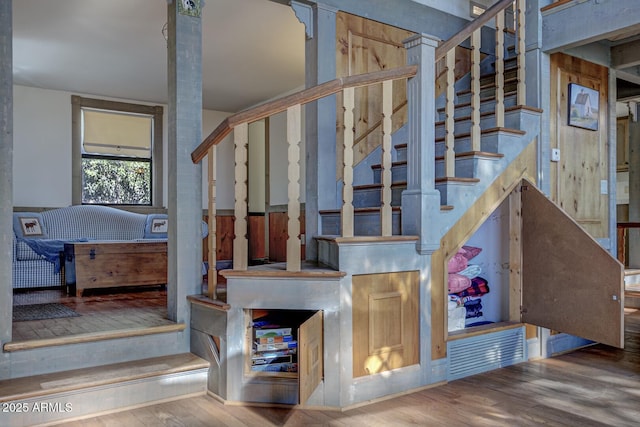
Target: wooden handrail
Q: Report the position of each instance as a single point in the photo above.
(302, 97)
(468, 29)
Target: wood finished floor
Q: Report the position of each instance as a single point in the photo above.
(100, 311)
(594, 386)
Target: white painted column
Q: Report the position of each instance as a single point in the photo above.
(184, 178)
(6, 177)
(421, 201)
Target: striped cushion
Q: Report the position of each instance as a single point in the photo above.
(94, 222)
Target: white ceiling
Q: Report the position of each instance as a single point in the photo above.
(253, 50)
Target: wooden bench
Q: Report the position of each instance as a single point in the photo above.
(108, 264)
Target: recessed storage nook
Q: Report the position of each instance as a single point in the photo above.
(511, 271)
(478, 276)
(483, 309)
(283, 353)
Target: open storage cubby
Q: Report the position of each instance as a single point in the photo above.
(485, 258)
(285, 345)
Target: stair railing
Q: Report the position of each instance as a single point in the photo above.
(447, 51)
(292, 104)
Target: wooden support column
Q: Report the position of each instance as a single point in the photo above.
(450, 138)
(347, 145)
(387, 111)
(294, 136)
(212, 276)
(240, 241)
(499, 69)
(475, 90)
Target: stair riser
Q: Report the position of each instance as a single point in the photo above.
(465, 168)
(511, 120)
(485, 107)
(401, 154)
(365, 224)
(84, 402)
(488, 144)
(398, 174)
(371, 197)
(465, 97)
(509, 73)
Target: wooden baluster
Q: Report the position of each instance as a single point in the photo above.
(294, 136)
(240, 241)
(449, 139)
(500, 69)
(212, 274)
(475, 90)
(522, 88)
(347, 189)
(387, 111)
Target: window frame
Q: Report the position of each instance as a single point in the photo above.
(77, 103)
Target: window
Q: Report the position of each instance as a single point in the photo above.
(117, 153)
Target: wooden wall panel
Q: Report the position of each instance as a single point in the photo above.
(224, 241)
(576, 178)
(385, 322)
(365, 46)
(278, 236)
(257, 238)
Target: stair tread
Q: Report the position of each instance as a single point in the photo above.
(309, 270)
(489, 85)
(484, 100)
(400, 163)
(486, 131)
(359, 210)
(491, 113)
(376, 186)
(77, 379)
(91, 337)
(457, 179)
(484, 154)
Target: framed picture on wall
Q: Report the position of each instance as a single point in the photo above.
(583, 106)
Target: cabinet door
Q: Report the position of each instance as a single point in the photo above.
(310, 358)
(570, 283)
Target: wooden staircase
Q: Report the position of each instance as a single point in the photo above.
(471, 166)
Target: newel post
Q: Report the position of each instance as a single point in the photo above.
(421, 200)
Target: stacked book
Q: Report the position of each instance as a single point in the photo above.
(274, 350)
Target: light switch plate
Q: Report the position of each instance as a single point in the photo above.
(604, 186)
(555, 154)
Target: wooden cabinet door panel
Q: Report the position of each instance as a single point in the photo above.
(310, 357)
(570, 283)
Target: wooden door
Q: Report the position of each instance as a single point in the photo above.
(310, 356)
(577, 179)
(569, 282)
